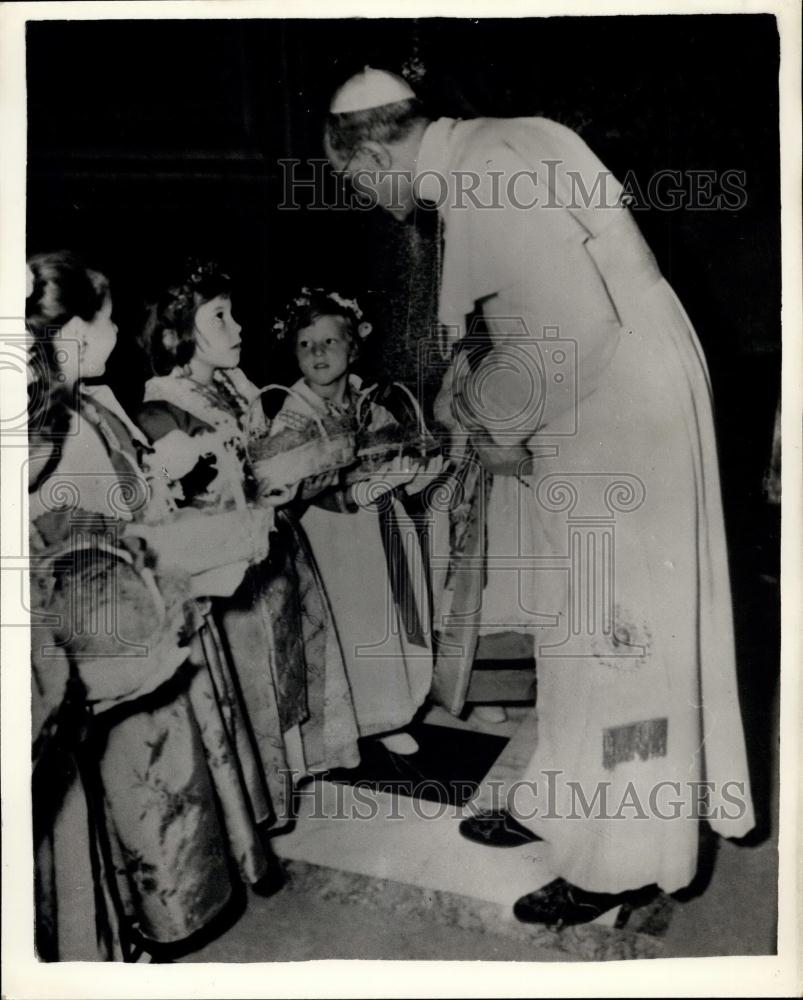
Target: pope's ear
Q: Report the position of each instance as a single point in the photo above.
(372, 155)
(169, 339)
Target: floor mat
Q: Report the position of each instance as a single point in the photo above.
(449, 766)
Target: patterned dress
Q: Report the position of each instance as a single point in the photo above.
(274, 637)
(371, 562)
(140, 812)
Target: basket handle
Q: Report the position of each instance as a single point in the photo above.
(422, 427)
(364, 396)
(366, 393)
(290, 392)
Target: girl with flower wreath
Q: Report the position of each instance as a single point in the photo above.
(365, 544)
(134, 793)
(269, 640)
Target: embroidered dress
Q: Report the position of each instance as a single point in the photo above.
(149, 845)
(617, 534)
(270, 639)
(371, 564)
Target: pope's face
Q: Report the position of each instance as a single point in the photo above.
(380, 175)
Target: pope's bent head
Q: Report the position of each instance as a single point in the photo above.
(372, 136)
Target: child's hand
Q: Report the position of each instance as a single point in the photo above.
(176, 454)
(261, 525)
(279, 496)
(219, 582)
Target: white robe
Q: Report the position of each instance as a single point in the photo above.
(636, 677)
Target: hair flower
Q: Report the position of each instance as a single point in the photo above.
(302, 301)
(30, 281)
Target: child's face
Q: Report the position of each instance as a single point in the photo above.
(87, 344)
(324, 351)
(217, 333)
(100, 342)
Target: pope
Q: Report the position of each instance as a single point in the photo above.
(592, 410)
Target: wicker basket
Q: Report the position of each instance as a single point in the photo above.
(284, 459)
(376, 448)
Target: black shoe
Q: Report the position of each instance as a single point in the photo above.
(497, 830)
(271, 882)
(561, 904)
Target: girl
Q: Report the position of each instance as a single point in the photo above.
(271, 639)
(147, 849)
(365, 544)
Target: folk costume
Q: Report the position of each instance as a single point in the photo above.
(139, 812)
(369, 557)
(272, 639)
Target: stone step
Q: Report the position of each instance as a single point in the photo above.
(404, 854)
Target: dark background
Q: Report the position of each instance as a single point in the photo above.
(152, 141)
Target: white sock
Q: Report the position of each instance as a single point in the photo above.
(400, 743)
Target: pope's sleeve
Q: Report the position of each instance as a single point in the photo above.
(541, 284)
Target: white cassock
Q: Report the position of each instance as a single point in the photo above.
(608, 389)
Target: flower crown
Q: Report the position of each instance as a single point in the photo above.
(182, 297)
(304, 299)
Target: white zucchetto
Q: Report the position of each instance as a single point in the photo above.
(372, 88)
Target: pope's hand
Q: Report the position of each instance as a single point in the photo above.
(503, 459)
(442, 407)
